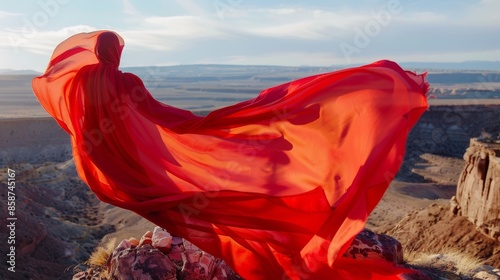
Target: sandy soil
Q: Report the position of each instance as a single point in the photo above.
(437, 185)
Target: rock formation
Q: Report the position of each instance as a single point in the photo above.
(478, 189)
(369, 245)
(158, 255)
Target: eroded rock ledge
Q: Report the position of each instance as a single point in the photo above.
(478, 189)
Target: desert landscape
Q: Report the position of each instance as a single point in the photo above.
(60, 222)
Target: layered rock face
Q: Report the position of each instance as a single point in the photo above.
(478, 189)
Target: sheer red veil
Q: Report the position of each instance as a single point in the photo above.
(278, 186)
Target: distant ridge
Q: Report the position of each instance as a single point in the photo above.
(439, 66)
(466, 65)
(207, 68)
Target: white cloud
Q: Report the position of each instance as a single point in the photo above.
(301, 30)
(141, 40)
(307, 24)
(185, 26)
(128, 8)
(4, 14)
(169, 33)
(38, 42)
(291, 58)
(283, 11)
(423, 18)
(484, 13)
(191, 6)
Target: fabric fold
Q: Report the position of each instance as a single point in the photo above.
(278, 185)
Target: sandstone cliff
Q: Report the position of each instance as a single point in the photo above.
(478, 189)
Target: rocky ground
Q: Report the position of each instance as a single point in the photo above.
(436, 230)
(60, 222)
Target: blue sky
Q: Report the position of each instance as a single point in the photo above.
(294, 32)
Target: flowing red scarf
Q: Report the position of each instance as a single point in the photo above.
(278, 186)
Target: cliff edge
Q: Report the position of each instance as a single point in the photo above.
(478, 188)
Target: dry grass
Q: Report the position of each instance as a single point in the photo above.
(445, 261)
(101, 254)
(450, 261)
(99, 258)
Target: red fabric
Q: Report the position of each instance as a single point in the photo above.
(277, 186)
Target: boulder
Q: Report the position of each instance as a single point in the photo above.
(158, 255)
(369, 245)
(162, 240)
(144, 262)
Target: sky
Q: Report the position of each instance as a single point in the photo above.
(257, 32)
